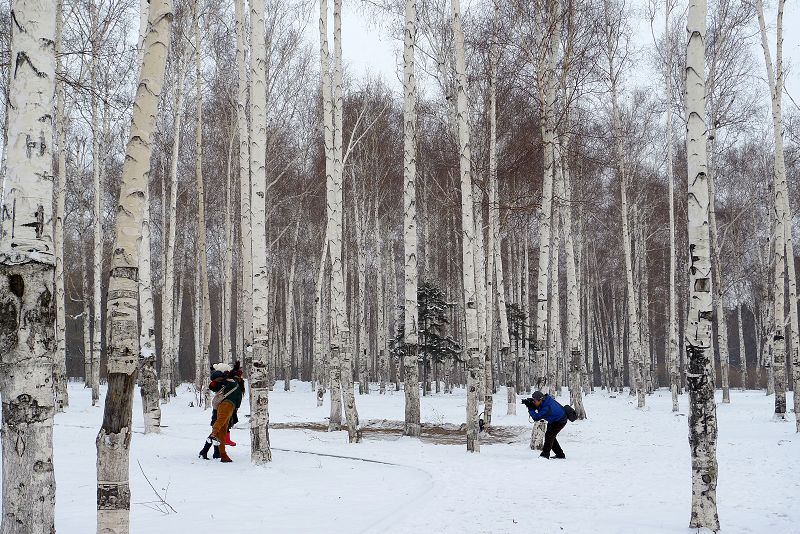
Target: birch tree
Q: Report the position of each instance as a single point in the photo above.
(60, 186)
(783, 249)
(113, 440)
(699, 350)
(27, 267)
(340, 338)
(467, 232)
(259, 383)
(410, 367)
(148, 379)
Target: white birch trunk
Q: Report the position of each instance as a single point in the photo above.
(780, 213)
(245, 185)
(205, 303)
(468, 233)
(27, 267)
(113, 440)
(573, 312)
(289, 314)
(148, 379)
(702, 410)
(259, 383)
(341, 338)
(335, 366)
(382, 324)
(319, 347)
(227, 291)
(480, 286)
(97, 213)
(60, 186)
(547, 97)
(742, 349)
(672, 333)
(410, 367)
(168, 348)
(783, 246)
(494, 230)
(634, 329)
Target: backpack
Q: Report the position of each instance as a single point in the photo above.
(219, 397)
(572, 415)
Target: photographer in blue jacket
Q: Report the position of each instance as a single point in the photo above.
(542, 406)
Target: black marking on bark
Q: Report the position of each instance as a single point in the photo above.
(22, 58)
(113, 497)
(16, 284)
(131, 273)
(25, 410)
(702, 285)
(708, 315)
(9, 326)
(16, 22)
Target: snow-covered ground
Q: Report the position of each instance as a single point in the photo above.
(627, 471)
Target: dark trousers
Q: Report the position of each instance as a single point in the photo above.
(550, 441)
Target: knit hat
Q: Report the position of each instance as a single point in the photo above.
(537, 395)
(221, 367)
(216, 375)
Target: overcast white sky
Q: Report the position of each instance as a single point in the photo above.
(368, 47)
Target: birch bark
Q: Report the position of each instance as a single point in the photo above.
(289, 313)
(168, 348)
(702, 410)
(672, 333)
(782, 218)
(468, 233)
(60, 185)
(27, 267)
(113, 440)
(573, 311)
(410, 367)
(245, 182)
(205, 325)
(97, 213)
(335, 366)
(742, 349)
(259, 383)
(148, 379)
(341, 329)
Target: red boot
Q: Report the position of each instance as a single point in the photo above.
(228, 441)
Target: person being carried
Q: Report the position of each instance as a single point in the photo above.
(542, 406)
(229, 388)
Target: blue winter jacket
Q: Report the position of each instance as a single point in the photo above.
(550, 410)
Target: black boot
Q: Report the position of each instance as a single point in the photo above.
(204, 452)
(216, 452)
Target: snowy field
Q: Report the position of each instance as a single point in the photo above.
(627, 471)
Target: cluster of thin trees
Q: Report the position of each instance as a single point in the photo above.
(209, 186)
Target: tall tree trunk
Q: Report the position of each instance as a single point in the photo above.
(410, 367)
(702, 410)
(742, 349)
(259, 383)
(205, 303)
(573, 303)
(148, 379)
(382, 323)
(319, 344)
(226, 350)
(547, 97)
(783, 229)
(335, 364)
(495, 237)
(289, 312)
(60, 186)
(342, 343)
(169, 350)
(114, 438)
(27, 268)
(672, 325)
(634, 329)
(97, 213)
(467, 232)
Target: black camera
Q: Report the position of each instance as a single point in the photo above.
(528, 403)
